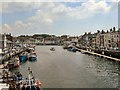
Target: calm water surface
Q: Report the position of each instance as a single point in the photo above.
(64, 69)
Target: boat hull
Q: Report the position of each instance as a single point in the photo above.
(72, 49)
(32, 59)
(52, 49)
(32, 88)
(23, 58)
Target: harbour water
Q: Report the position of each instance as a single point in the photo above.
(64, 69)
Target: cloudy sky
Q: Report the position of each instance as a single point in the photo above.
(73, 17)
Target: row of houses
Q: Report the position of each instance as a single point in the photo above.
(49, 39)
(102, 40)
(37, 40)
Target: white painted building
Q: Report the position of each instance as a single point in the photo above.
(111, 39)
(98, 39)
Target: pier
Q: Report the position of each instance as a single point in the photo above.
(96, 54)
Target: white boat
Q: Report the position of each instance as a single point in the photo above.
(4, 86)
(17, 62)
(30, 83)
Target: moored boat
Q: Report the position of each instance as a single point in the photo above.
(32, 56)
(8, 65)
(52, 49)
(4, 86)
(13, 63)
(30, 83)
(16, 63)
(72, 49)
(65, 46)
(23, 58)
(31, 49)
(9, 78)
(17, 76)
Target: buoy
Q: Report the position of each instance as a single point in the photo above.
(39, 84)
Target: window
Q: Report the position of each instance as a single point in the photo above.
(112, 39)
(117, 40)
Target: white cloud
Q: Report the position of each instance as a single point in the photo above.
(31, 4)
(89, 9)
(6, 28)
(47, 10)
(49, 13)
(19, 24)
(47, 20)
(53, 0)
(8, 7)
(60, 8)
(41, 17)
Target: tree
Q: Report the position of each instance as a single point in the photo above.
(41, 35)
(45, 35)
(111, 30)
(114, 29)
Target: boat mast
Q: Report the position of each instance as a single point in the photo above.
(29, 77)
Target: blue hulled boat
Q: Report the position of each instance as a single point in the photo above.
(23, 58)
(32, 57)
(72, 49)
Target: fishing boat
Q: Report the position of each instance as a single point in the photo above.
(17, 76)
(72, 49)
(4, 86)
(32, 56)
(13, 80)
(31, 49)
(8, 77)
(65, 46)
(52, 49)
(8, 65)
(23, 57)
(12, 64)
(16, 62)
(30, 83)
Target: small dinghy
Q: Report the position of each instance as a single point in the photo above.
(52, 49)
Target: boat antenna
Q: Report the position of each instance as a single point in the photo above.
(29, 77)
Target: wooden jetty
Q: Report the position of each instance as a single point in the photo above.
(96, 54)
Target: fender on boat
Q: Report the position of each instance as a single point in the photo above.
(39, 84)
